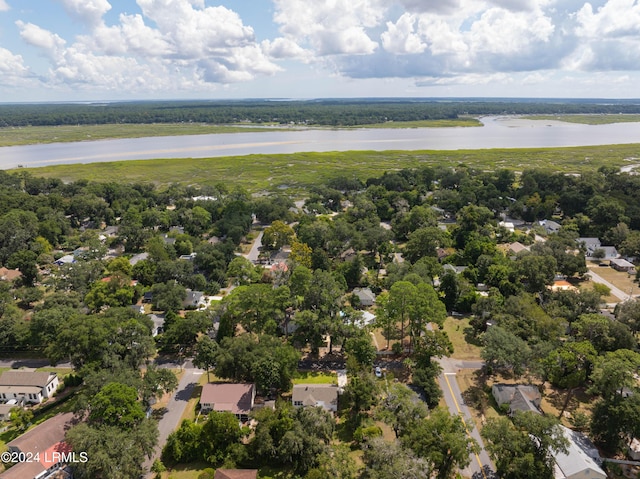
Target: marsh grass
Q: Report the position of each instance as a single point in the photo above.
(593, 119)
(295, 172)
(29, 135)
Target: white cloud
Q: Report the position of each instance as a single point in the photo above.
(400, 37)
(442, 7)
(4, 6)
(285, 48)
(41, 38)
(89, 12)
(12, 68)
(177, 44)
(331, 27)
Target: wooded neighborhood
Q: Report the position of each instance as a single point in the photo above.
(322, 325)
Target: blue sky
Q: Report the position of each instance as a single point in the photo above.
(82, 50)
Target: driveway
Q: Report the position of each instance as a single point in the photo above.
(617, 292)
(175, 408)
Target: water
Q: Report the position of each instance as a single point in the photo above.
(497, 132)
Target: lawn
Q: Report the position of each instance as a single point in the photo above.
(458, 330)
(621, 280)
(295, 172)
(316, 377)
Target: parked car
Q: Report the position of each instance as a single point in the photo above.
(378, 372)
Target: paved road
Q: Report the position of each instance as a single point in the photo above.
(254, 252)
(29, 363)
(176, 406)
(617, 292)
(480, 466)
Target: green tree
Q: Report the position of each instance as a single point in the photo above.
(277, 235)
(504, 351)
(401, 408)
(205, 353)
(361, 348)
(389, 460)
(443, 440)
(524, 449)
(424, 242)
(220, 431)
(243, 271)
(116, 405)
(569, 366)
(614, 372)
(112, 453)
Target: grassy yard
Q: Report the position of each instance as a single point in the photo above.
(621, 280)
(294, 172)
(458, 331)
(316, 377)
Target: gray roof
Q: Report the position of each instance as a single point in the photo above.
(623, 263)
(16, 377)
(311, 394)
(578, 457)
(520, 397)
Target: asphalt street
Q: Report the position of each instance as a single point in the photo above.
(175, 408)
(480, 466)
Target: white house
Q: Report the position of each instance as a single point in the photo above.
(580, 460)
(28, 386)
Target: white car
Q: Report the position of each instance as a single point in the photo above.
(378, 372)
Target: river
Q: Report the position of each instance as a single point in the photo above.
(497, 132)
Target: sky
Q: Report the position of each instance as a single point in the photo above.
(95, 50)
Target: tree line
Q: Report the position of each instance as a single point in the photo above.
(314, 112)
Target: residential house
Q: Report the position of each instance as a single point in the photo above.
(280, 256)
(591, 245)
(194, 299)
(454, 269)
(137, 258)
(508, 225)
(620, 264)
(316, 395)
(47, 441)
(66, 259)
(550, 226)
(366, 296)
(236, 474)
(581, 460)
(516, 247)
(28, 386)
(519, 397)
(562, 285)
(228, 397)
(9, 274)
